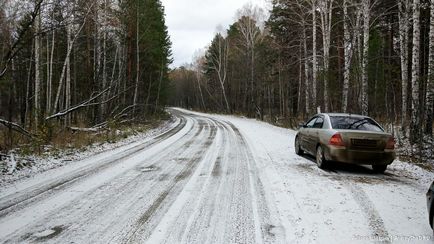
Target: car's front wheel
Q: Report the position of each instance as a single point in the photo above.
(379, 168)
(320, 160)
(297, 147)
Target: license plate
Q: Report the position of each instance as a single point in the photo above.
(365, 143)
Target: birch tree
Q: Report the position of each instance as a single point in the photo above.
(314, 54)
(326, 12)
(217, 59)
(415, 74)
(37, 106)
(404, 26)
(351, 31)
(366, 24)
(430, 86)
(249, 17)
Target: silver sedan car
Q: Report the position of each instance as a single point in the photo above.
(347, 138)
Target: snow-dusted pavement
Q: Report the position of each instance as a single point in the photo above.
(215, 179)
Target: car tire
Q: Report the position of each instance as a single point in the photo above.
(297, 147)
(432, 226)
(379, 168)
(320, 159)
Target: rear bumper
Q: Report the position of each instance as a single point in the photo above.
(344, 155)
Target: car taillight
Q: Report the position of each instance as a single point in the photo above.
(390, 143)
(336, 140)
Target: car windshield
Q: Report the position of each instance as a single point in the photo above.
(354, 123)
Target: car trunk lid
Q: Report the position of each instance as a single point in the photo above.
(365, 140)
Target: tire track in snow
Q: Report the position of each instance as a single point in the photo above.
(151, 217)
(53, 197)
(14, 201)
(189, 205)
(367, 207)
(375, 221)
(126, 188)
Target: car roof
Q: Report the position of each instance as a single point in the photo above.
(343, 115)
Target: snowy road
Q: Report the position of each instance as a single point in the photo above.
(215, 179)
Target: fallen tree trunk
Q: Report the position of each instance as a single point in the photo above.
(16, 127)
(78, 129)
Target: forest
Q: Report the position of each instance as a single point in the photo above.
(367, 57)
(80, 65)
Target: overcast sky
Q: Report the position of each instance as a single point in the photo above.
(193, 23)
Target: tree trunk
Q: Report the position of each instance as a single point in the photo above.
(306, 71)
(36, 105)
(404, 6)
(326, 23)
(136, 88)
(348, 53)
(430, 85)
(314, 55)
(68, 75)
(27, 118)
(415, 73)
(366, 22)
(104, 60)
(62, 75)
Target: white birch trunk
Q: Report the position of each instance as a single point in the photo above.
(68, 74)
(366, 22)
(430, 86)
(306, 71)
(104, 61)
(348, 53)
(136, 89)
(62, 75)
(415, 73)
(326, 22)
(37, 71)
(314, 55)
(404, 24)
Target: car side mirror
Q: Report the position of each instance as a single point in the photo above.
(301, 125)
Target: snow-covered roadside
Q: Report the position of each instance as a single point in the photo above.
(422, 176)
(342, 205)
(41, 164)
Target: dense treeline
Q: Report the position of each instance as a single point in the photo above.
(361, 56)
(81, 63)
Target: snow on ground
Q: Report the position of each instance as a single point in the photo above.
(48, 161)
(216, 179)
(394, 205)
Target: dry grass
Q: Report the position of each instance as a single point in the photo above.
(52, 139)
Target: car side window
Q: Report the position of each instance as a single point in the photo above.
(318, 123)
(311, 122)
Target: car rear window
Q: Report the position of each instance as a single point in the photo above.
(354, 123)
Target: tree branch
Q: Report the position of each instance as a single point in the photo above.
(16, 127)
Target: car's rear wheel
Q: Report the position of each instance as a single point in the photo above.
(297, 146)
(320, 160)
(379, 168)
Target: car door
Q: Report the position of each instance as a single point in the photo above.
(306, 135)
(315, 133)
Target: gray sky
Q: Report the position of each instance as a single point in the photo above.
(193, 23)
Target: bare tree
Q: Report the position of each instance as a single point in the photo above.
(404, 26)
(430, 86)
(249, 18)
(326, 12)
(314, 54)
(37, 106)
(136, 89)
(350, 38)
(415, 73)
(65, 64)
(219, 63)
(366, 4)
